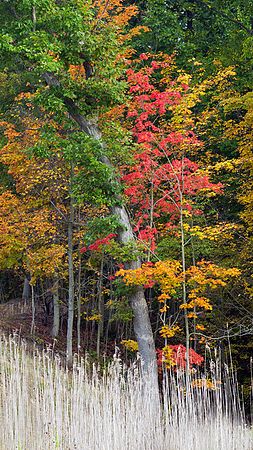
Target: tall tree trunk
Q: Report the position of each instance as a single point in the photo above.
(26, 290)
(186, 320)
(70, 280)
(56, 305)
(142, 325)
(78, 324)
(100, 306)
(33, 310)
(79, 291)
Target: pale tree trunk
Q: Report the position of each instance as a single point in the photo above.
(33, 310)
(100, 306)
(142, 325)
(56, 304)
(186, 320)
(26, 291)
(34, 19)
(194, 309)
(70, 280)
(78, 324)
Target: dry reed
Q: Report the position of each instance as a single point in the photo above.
(43, 406)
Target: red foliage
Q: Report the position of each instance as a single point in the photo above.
(98, 244)
(161, 173)
(179, 357)
(111, 277)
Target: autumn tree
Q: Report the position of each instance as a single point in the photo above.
(166, 186)
(201, 31)
(55, 41)
(113, 162)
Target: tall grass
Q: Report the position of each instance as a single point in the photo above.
(43, 406)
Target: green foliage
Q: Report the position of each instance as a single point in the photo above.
(58, 39)
(121, 310)
(119, 142)
(131, 251)
(99, 227)
(209, 30)
(6, 182)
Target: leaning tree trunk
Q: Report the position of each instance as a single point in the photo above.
(142, 325)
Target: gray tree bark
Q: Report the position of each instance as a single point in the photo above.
(142, 325)
(56, 304)
(71, 296)
(26, 291)
(78, 324)
(100, 307)
(33, 310)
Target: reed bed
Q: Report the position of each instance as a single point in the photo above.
(44, 406)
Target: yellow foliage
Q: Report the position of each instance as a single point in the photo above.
(94, 317)
(44, 261)
(208, 274)
(31, 221)
(200, 327)
(168, 276)
(205, 383)
(168, 332)
(243, 133)
(201, 302)
(77, 72)
(167, 357)
(115, 14)
(163, 309)
(192, 315)
(130, 345)
(164, 273)
(163, 297)
(213, 233)
(229, 165)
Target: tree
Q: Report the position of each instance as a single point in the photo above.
(165, 188)
(49, 39)
(200, 30)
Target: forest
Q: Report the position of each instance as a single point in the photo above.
(126, 219)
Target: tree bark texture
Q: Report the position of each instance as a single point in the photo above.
(71, 294)
(26, 291)
(56, 305)
(142, 325)
(100, 307)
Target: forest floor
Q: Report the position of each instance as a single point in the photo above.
(16, 317)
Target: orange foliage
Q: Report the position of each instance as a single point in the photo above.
(28, 220)
(77, 72)
(116, 15)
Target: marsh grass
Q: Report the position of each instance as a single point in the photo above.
(44, 406)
